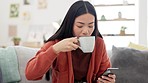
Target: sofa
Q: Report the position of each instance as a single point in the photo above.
(132, 64)
(16, 66)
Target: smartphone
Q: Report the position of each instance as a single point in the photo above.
(109, 71)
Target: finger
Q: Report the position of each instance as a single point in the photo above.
(72, 46)
(74, 40)
(75, 46)
(102, 80)
(112, 76)
(99, 80)
(106, 78)
(110, 79)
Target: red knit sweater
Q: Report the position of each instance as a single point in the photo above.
(62, 69)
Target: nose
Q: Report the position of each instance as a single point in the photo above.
(85, 32)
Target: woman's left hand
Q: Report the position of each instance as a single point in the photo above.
(107, 79)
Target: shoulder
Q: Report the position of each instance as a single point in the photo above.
(99, 40)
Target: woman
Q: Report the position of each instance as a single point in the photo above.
(61, 51)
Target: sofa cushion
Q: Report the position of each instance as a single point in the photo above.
(109, 53)
(9, 65)
(132, 64)
(1, 78)
(24, 55)
(137, 46)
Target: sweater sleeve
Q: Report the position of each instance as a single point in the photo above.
(41, 62)
(105, 61)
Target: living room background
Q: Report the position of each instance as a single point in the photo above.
(38, 16)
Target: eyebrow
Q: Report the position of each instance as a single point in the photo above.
(84, 23)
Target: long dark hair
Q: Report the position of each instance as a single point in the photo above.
(77, 9)
(66, 28)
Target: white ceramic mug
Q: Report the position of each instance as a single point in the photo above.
(87, 44)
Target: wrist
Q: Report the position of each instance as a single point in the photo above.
(55, 48)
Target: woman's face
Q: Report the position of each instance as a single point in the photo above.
(84, 25)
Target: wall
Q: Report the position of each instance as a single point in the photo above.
(55, 10)
(142, 30)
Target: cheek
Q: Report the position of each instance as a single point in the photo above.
(91, 30)
(76, 31)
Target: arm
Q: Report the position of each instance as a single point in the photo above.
(105, 63)
(101, 59)
(41, 63)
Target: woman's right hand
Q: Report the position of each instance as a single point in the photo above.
(66, 45)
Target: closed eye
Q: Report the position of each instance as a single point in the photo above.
(79, 26)
(91, 26)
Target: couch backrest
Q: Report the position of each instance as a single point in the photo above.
(109, 52)
(24, 55)
(132, 64)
